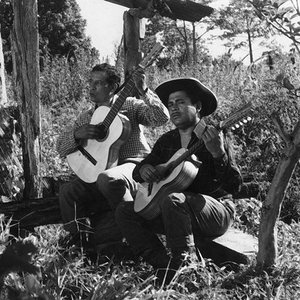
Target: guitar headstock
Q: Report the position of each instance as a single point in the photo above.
(151, 56)
(238, 118)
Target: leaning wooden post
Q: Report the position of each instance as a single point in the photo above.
(267, 241)
(3, 99)
(26, 74)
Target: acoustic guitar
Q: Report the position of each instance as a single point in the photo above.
(100, 154)
(180, 170)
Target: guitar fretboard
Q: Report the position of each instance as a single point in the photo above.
(118, 103)
(126, 91)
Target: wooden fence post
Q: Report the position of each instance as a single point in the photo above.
(26, 75)
(3, 99)
(132, 52)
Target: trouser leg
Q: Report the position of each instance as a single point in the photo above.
(210, 217)
(141, 235)
(79, 200)
(117, 184)
(134, 228)
(186, 215)
(177, 221)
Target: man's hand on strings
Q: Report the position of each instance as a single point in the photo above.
(88, 131)
(150, 173)
(214, 141)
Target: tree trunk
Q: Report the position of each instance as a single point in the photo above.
(186, 42)
(267, 253)
(3, 95)
(195, 50)
(26, 74)
(250, 46)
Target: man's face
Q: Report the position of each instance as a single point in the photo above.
(182, 112)
(100, 90)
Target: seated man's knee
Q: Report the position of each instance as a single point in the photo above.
(172, 200)
(104, 182)
(107, 183)
(103, 179)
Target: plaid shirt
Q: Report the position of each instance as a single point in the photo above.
(148, 111)
(214, 177)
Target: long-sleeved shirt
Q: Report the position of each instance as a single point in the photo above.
(215, 175)
(147, 111)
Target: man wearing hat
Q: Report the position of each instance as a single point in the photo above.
(196, 211)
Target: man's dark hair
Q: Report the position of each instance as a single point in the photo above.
(113, 75)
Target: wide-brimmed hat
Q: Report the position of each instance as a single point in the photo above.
(206, 96)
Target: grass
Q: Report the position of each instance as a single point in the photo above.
(69, 274)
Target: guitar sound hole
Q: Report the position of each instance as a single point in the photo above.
(103, 132)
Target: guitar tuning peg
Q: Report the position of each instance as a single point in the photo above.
(237, 126)
(233, 128)
(249, 118)
(245, 121)
(241, 123)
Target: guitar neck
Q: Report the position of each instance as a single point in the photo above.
(126, 91)
(118, 103)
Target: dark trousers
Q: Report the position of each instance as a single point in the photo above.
(184, 216)
(81, 202)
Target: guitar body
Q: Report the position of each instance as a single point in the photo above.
(146, 202)
(104, 151)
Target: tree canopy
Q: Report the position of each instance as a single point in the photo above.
(239, 18)
(61, 28)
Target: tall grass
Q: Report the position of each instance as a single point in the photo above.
(68, 274)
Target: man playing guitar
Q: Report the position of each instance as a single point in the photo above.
(98, 200)
(196, 210)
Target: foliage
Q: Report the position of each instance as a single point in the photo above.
(238, 20)
(64, 81)
(177, 37)
(61, 29)
(282, 15)
(239, 17)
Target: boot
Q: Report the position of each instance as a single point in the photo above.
(166, 273)
(179, 255)
(156, 257)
